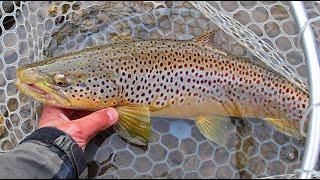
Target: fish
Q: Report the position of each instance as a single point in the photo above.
(192, 79)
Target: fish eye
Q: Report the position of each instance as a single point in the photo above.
(60, 80)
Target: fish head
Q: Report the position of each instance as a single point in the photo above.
(68, 83)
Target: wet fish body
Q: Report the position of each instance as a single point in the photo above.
(171, 78)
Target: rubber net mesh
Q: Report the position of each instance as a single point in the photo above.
(263, 31)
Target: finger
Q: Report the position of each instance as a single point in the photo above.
(51, 113)
(97, 121)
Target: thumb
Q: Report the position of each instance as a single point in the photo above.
(97, 121)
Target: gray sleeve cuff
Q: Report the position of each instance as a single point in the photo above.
(61, 143)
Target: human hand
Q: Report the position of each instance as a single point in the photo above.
(80, 125)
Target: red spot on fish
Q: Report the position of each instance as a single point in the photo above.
(287, 90)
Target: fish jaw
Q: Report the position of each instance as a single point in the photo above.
(32, 84)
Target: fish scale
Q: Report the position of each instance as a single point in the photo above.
(172, 78)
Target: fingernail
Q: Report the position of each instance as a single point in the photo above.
(113, 115)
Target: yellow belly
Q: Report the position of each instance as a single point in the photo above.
(190, 109)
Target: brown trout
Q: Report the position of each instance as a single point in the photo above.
(166, 78)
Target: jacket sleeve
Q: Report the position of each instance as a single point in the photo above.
(46, 153)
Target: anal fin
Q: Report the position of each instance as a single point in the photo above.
(213, 128)
(288, 127)
(134, 124)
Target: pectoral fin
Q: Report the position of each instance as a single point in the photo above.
(288, 127)
(213, 127)
(134, 124)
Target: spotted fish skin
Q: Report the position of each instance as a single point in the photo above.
(173, 78)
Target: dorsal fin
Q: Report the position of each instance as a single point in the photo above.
(120, 37)
(207, 39)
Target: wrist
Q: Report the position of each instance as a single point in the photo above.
(53, 137)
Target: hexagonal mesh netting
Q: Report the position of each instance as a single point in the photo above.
(31, 31)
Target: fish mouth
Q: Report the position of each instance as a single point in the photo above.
(38, 90)
(43, 94)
